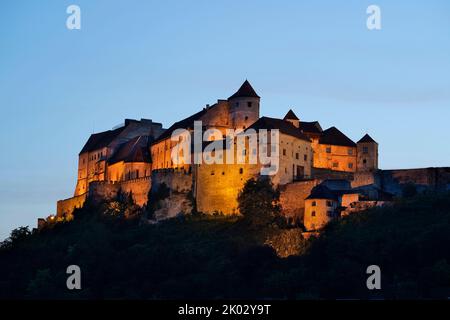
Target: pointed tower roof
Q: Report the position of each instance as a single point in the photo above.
(332, 136)
(290, 115)
(366, 139)
(246, 90)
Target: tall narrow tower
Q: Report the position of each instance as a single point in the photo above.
(367, 150)
(244, 107)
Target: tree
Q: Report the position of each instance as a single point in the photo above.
(259, 202)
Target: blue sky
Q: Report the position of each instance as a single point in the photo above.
(164, 60)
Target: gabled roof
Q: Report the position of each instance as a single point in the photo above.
(135, 150)
(284, 126)
(333, 136)
(246, 90)
(182, 124)
(322, 192)
(366, 139)
(311, 127)
(290, 115)
(101, 140)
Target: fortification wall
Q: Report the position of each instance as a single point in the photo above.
(366, 178)
(218, 186)
(179, 201)
(67, 206)
(178, 180)
(434, 179)
(139, 189)
(292, 198)
(323, 174)
(104, 190)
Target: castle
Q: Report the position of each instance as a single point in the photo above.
(322, 174)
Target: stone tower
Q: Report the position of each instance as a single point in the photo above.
(292, 118)
(244, 107)
(367, 150)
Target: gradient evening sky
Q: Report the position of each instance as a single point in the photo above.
(165, 60)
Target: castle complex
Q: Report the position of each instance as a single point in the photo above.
(322, 174)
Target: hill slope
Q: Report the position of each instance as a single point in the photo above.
(217, 257)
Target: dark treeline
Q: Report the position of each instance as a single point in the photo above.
(212, 257)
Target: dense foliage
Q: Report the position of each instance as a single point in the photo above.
(218, 257)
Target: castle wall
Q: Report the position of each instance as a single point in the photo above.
(435, 179)
(292, 198)
(340, 158)
(67, 206)
(178, 180)
(218, 186)
(366, 178)
(217, 116)
(105, 190)
(180, 199)
(139, 189)
(323, 174)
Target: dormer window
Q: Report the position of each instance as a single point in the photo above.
(365, 150)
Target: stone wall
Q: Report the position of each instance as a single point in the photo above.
(104, 190)
(434, 179)
(176, 180)
(218, 186)
(365, 178)
(67, 206)
(323, 174)
(180, 199)
(139, 188)
(292, 198)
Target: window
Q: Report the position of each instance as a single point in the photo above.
(329, 203)
(350, 151)
(284, 152)
(350, 165)
(305, 157)
(328, 149)
(314, 204)
(330, 213)
(249, 104)
(212, 172)
(365, 150)
(237, 104)
(364, 161)
(246, 117)
(313, 214)
(296, 156)
(254, 151)
(335, 164)
(241, 171)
